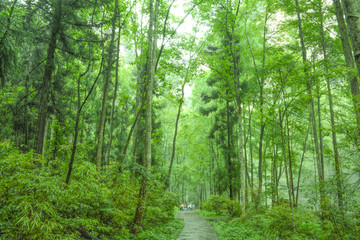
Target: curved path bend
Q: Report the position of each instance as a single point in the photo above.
(196, 227)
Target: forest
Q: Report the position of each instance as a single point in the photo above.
(113, 113)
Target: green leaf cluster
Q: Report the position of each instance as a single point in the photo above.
(35, 202)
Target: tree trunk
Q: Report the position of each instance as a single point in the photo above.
(114, 98)
(288, 184)
(211, 164)
(44, 91)
(140, 93)
(291, 179)
(260, 80)
(301, 163)
(132, 130)
(152, 38)
(332, 114)
(247, 179)
(167, 183)
(354, 84)
(273, 174)
(352, 13)
(312, 110)
(100, 132)
(78, 114)
(251, 158)
(242, 162)
(228, 149)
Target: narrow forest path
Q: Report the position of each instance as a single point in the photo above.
(196, 227)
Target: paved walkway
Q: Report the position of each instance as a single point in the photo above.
(196, 227)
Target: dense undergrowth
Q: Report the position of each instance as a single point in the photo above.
(35, 202)
(277, 222)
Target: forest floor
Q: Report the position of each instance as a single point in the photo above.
(196, 227)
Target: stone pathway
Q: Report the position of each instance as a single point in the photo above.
(196, 227)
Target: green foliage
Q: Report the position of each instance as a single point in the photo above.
(280, 223)
(168, 231)
(222, 205)
(37, 204)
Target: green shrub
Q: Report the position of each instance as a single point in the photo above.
(168, 231)
(280, 221)
(35, 202)
(222, 205)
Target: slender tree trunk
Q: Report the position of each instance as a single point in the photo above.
(291, 179)
(132, 129)
(288, 184)
(247, 179)
(354, 84)
(251, 158)
(234, 50)
(27, 78)
(273, 174)
(210, 174)
(332, 113)
(312, 111)
(167, 183)
(44, 91)
(261, 99)
(78, 114)
(301, 163)
(114, 99)
(352, 13)
(152, 38)
(228, 150)
(101, 128)
(242, 162)
(141, 66)
(335, 147)
(321, 145)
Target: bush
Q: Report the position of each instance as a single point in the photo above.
(276, 223)
(222, 205)
(168, 231)
(35, 202)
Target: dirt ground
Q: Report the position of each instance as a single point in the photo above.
(196, 227)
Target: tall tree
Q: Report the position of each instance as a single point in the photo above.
(49, 68)
(181, 101)
(152, 47)
(107, 78)
(312, 108)
(349, 59)
(331, 108)
(352, 13)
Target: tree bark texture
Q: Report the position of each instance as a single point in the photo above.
(228, 150)
(332, 114)
(49, 68)
(108, 149)
(152, 47)
(349, 59)
(288, 183)
(312, 109)
(107, 77)
(352, 13)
